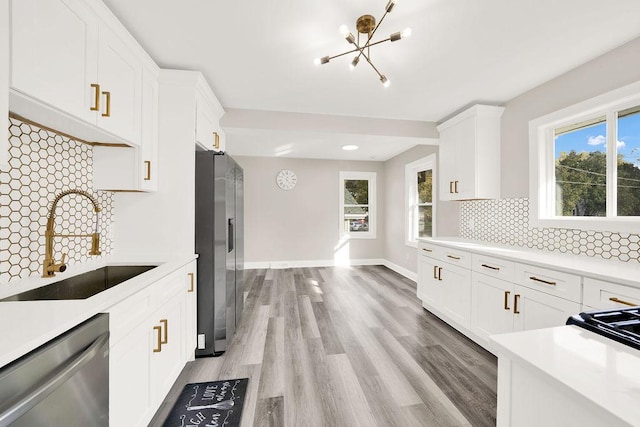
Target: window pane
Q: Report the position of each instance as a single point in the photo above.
(629, 162)
(356, 192)
(425, 219)
(581, 167)
(356, 219)
(425, 186)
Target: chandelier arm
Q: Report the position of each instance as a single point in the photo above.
(360, 49)
(373, 66)
(367, 44)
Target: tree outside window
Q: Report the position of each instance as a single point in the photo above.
(357, 204)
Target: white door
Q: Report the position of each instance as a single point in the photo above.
(190, 328)
(491, 306)
(536, 310)
(120, 78)
(456, 303)
(430, 288)
(448, 168)
(54, 54)
(148, 158)
(464, 185)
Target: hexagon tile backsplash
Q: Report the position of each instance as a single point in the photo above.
(42, 164)
(506, 222)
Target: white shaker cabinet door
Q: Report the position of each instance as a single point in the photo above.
(537, 310)
(54, 54)
(120, 77)
(456, 303)
(430, 288)
(491, 306)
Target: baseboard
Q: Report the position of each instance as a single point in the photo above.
(330, 263)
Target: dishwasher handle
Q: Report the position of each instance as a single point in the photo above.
(36, 394)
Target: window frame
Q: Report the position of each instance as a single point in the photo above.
(372, 205)
(542, 162)
(411, 197)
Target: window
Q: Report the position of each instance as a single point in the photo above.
(585, 164)
(358, 204)
(420, 212)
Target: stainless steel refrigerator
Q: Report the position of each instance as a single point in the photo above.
(220, 246)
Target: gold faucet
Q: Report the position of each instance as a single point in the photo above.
(49, 266)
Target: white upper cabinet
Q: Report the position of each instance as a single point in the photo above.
(470, 154)
(4, 81)
(75, 69)
(209, 135)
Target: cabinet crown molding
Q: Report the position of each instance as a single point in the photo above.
(478, 110)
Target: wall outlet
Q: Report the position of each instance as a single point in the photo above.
(201, 341)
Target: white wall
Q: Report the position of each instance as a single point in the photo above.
(612, 70)
(302, 224)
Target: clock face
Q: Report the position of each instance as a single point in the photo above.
(286, 179)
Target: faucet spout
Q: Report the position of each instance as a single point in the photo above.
(49, 266)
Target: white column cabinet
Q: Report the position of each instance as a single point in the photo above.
(469, 154)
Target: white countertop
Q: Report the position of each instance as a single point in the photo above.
(627, 273)
(25, 325)
(605, 372)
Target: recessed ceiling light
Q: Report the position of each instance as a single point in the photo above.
(349, 147)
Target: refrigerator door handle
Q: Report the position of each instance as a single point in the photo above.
(230, 235)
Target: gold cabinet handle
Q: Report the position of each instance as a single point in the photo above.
(216, 140)
(450, 187)
(619, 301)
(455, 187)
(427, 250)
(439, 273)
(490, 267)
(191, 276)
(96, 99)
(453, 257)
(506, 300)
(546, 282)
(516, 298)
(147, 163)
(165, 338)
(435, 272)
(107, 96)
(158, 330)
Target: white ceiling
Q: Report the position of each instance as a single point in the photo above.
(258, 54)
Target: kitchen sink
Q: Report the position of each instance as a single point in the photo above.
(83, 285)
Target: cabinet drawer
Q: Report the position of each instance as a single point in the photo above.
(564, 285)
(495, 267)
(167, 286)
(603, 295)
(455, 257)
(427, 249)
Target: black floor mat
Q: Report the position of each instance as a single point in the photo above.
(215, 403)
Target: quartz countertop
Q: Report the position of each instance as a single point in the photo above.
(25, 325)
(603, 371)
(627, 273)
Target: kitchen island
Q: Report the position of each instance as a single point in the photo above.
(566, 376)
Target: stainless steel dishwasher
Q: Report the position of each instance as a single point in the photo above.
(65, 382)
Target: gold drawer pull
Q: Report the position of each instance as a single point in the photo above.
(216, 140)
(191, 282)
(96, 99)
(435, 272)
(506, 300)
(107, 96)
(455, 187)
(453, 257)
(427, 250)
(158, 330)
(516, 298)
(439, 273)
(490, 267)
(165, 339)
(546, 282)
(147, 163)
(619, 301)
(450, 187)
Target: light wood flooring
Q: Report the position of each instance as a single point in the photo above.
(348, 346)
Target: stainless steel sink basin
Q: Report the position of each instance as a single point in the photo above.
(83, 285)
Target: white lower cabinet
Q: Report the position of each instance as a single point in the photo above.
(429, 289)
(536, 310)
(191, 319)
(152, 337)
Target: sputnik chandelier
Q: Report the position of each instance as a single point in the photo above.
(366, 24)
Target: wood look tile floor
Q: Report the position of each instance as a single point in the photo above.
(348, 346)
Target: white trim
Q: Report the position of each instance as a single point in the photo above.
(541, 167)
(373, 206)
(410, 170)
(275, 265)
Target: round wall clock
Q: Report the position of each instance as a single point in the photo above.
(286, 179)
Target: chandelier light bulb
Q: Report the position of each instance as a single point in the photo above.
(406, 33)
(385, 81)
(316, 61)
(354, 62)
(344, 30)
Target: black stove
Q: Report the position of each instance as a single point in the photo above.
(622, 325)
